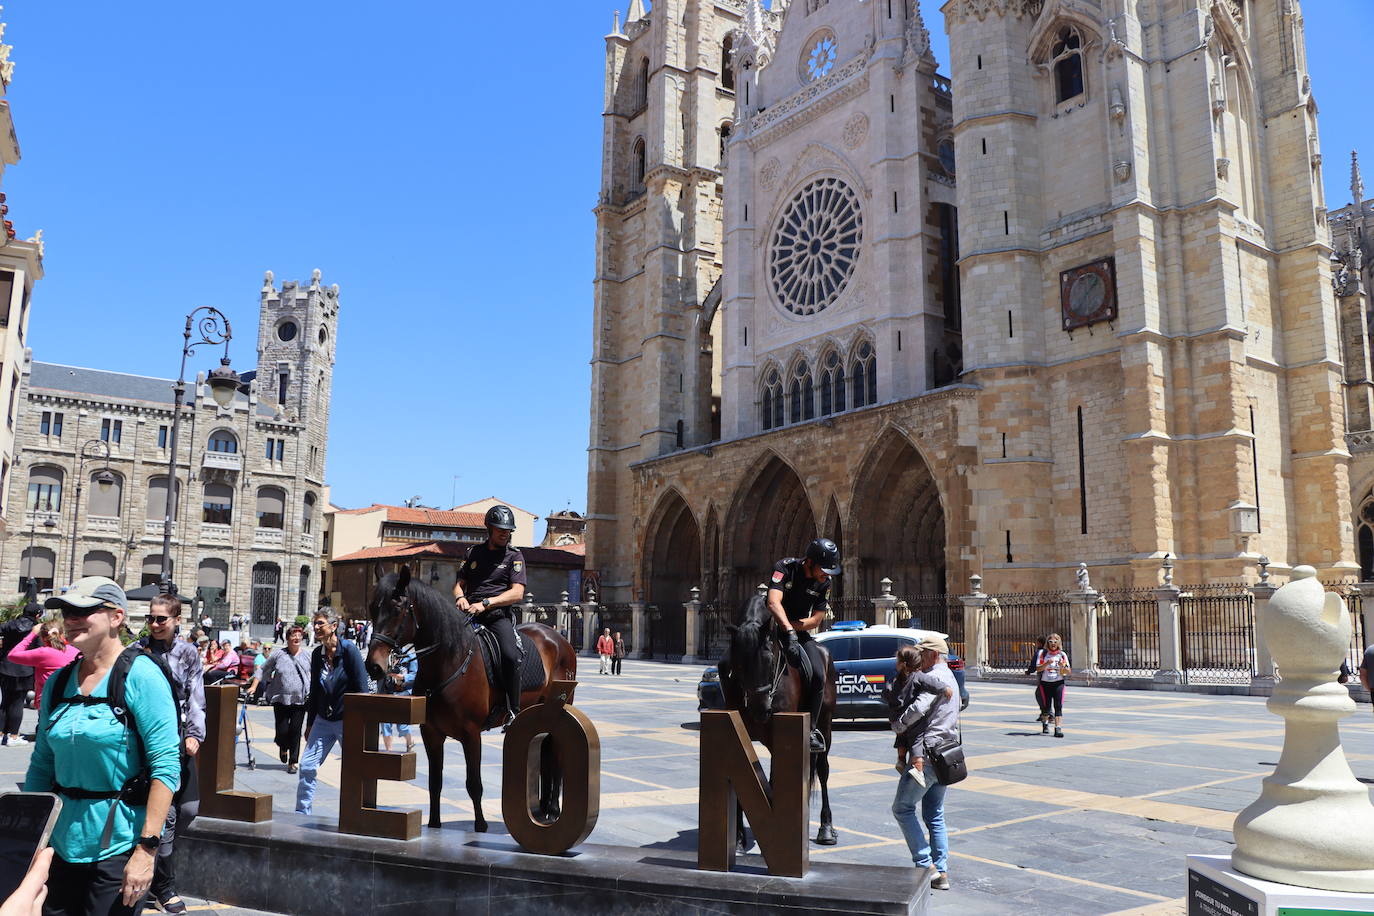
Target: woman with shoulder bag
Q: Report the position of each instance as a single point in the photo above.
(336, 670)
(115, 788)
(286, 685)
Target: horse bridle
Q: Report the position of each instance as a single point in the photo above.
(407, 609)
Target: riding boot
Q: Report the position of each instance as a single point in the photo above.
(817, 738)
(511, 674)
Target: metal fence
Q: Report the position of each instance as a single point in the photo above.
(665, 631)
(1354, 602)
(1128, 636)
(619, 618)
(942, 613)
(714, 638)
(1217, 634)
(1025, 618)
(853, 609)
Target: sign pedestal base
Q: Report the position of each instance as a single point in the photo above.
(1216, 889)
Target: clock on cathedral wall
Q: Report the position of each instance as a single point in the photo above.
(1087, 294)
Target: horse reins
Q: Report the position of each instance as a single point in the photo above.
(416, 654)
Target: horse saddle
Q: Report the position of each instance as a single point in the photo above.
(531, 665)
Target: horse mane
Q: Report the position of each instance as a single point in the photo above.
(436, 614)
(756, 623)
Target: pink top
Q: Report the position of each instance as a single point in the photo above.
(43, 660)
(229, 659)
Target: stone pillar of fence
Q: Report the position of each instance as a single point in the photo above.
(638, 633)
(975, 627)
(590, 610)
(1265, 674)
(1083, 606)
(884, 606)
(591, 624)
(1170, 645)
(692, 610)
(526, 611)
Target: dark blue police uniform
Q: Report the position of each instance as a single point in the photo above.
(801, 597)
(487, 572)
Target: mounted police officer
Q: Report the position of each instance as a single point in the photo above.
(798, 592)
(491, 581)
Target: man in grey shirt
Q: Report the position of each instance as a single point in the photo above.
(926, 720)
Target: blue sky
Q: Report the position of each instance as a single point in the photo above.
(439, 161)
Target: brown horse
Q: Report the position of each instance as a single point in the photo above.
(757, 682)
(407, 613)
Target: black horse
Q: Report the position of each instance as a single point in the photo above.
(756, 681)
(407, 613)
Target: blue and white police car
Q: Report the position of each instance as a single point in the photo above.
(864, 665)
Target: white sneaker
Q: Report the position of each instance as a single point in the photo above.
(17, 739)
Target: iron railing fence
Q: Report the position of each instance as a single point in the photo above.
(1354, 603)
(1128, 635)
(853, 609)
(665, 631)
(1217, 634)
(942, 613)
(714, 638)
(1025, 617)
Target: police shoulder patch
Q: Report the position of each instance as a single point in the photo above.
(517, 566)
(777, 575)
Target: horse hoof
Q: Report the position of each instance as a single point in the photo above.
(826, 836)
(480, 826)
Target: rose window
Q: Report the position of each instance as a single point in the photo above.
(820, 60)
(815, 246)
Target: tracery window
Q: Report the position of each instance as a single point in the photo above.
(772, 400)
(1365, 538)
(642, 84)
(1066, 59)
(724, 139)
(815, 246)
(864, 376)
(832, 384)
(802, 394)
(639, 165)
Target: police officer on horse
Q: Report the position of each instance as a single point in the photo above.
(798, 592)
(491, 581)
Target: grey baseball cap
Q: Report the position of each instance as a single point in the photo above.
(90, 592)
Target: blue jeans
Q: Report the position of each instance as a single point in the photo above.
(390, 728)
(931, 799)
(323, 736)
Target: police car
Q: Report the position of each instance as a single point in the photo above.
(864, 664)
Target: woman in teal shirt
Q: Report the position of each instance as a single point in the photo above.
(105, 847)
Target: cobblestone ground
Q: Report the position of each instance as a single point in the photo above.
(1095, 823)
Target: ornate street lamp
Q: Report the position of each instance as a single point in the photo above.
(213, 329)
(103, 479)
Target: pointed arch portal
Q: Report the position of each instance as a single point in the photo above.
(772, 519)
(899, 522)
(674, 554)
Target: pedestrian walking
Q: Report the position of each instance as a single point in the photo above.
(1034, 669)
(45, 651)
(16, 680)
(115, 788)
(619, 655)
(399, 681)
(336, 669)
(1053, 668)
(286, 685)
(605, 649)
(928, 720)
(910, 682)
(182, 660)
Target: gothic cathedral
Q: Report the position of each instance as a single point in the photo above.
(1071, 303)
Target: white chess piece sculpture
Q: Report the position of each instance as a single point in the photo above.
(1313, 825)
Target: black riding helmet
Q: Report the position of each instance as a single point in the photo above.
(500, 517)
(824, 553)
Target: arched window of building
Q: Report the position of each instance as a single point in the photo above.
(802, 394)
(38, 564)
(212, 588)
(308, 513)
(681, 433)
(271, 507)
(157, 498)
(222, 440)
(219, 504)
(638, 164)
(772, 400)
(1066, 59)
(727, 71)
(152, 569)
(832, 384)
(98, 563)
(107, 496)
(303, 596)
(642, 84)
(1364, 533)
(45, 489)
(864, 375)
(724, 139)
(266, 592)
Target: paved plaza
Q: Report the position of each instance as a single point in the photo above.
(1097, 822)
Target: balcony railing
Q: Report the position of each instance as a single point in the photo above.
(307, 540)
(154, 528)
(228, 461)
(216, 534)
(268, 537)
(102, 525)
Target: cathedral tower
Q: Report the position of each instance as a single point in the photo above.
(668, 105)
(1145, 267)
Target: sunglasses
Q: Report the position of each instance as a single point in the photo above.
(76, 613)
(159, 619)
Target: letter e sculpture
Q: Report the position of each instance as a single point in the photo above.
(363, 765)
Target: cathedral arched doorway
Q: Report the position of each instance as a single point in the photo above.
(673, 567)
(898, 528)
(771, 518)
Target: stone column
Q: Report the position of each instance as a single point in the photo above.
(527, 611)
(637, 630)
(1170, 646)
(692, 610)
(885, 604)
(975, 627)
(1083, 631)
(1266, 675)
(591, 624)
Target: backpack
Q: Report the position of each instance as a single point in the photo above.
(134, 792)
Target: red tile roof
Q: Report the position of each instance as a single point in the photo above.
(435, 518)
(436, 550)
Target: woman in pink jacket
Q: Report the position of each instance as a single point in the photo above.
(45, 651)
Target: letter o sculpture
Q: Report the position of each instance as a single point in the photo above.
(578, 749)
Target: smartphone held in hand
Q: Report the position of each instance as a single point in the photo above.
(26, 821)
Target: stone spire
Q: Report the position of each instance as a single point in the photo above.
(917, 37)
(758, 31)
(1356, 181)
(636, 12)
(615, 26)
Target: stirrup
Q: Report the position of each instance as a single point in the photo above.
(817, 741)
(510, 720)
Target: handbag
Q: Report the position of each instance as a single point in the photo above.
(948, 762)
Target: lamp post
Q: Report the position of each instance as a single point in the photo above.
(104, 479)
(211, 328)
(49, 524)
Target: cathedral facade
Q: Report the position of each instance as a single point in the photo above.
(1073, 303)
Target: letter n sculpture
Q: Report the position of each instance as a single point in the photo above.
(731, 777)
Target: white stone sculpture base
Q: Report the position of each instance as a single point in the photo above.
(1268, 898)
